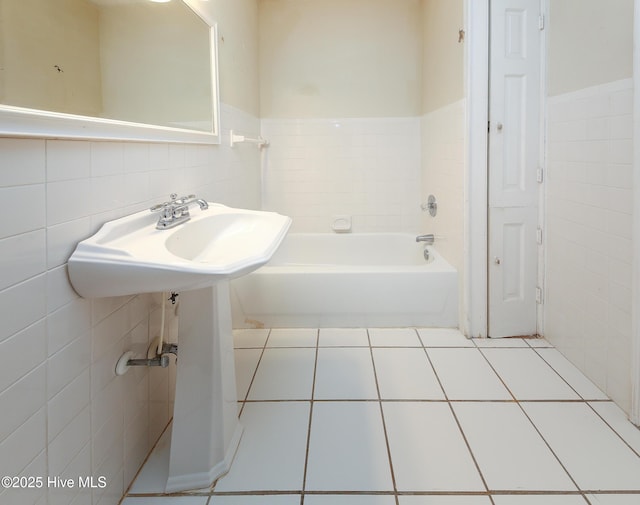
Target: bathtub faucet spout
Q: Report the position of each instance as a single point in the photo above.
(427, 239)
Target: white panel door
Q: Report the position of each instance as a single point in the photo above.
(514, 153)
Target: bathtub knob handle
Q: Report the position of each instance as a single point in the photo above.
(497, 260)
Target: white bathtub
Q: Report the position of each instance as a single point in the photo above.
(348, 280)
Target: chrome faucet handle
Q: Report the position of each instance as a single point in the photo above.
(184, 199)
(161, 206)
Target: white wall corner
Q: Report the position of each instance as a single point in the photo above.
(635, 359)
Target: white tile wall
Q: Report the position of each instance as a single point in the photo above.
(588, 232)
(64, 412)
(368, 168)
(443, 175)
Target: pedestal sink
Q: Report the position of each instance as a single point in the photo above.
(197, 259)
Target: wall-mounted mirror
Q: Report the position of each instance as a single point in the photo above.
(110, 69)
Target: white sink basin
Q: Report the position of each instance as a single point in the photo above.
(129, 255)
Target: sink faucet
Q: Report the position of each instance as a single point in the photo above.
(176, 211)
(427, 239)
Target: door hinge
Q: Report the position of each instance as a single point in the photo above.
(539, 295)
(541, 22)
(539, 236)
(540, 175)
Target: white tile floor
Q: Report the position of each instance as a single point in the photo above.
(413, 417)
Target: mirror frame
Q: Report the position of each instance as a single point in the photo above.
(30, 123)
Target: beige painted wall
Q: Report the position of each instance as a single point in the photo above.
(30, 55)
(443, 55)
(590, 43)
(331, 58)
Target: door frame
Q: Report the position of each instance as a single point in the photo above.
(635, 316)
(476, 279)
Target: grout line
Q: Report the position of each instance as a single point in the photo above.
(531, 421)
(500, 492)
(411, 400)
(558, 373)
(529, 340)
(632, 492)
(255, 372)
(588, 402)
(342, 492)
(455, 417)
(264, 492)
(352, 493)
(146, 459)
(313, 391)
(384, 424)
(202, 492)
(611, 427)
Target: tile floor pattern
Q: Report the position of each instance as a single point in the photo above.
(414, 417)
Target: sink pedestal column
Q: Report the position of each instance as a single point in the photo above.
(206, 430)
